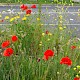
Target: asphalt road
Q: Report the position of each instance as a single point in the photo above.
(49, 16)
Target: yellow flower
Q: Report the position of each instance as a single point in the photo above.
(17, 16)
(6, 17)
(49, 15)
(11, 19)
(24, 18)
(79, 71)
(60, 16)
(78, 67)
(27, 14)
(72, 4)
(0, 15)
(48, 39)
(18, 12)
(42, 24)
(40, 44)
(77, 75)
(50, 34)
(58, 73)
(64, 27)
(38, 19)
(79, 47)
(74, 68)
(60, 28)
(43, 34)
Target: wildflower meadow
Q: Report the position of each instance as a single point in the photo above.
(29, 51)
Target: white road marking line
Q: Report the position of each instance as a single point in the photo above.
(37, 5)
(63, 24)
(5, 24)
(17, 12)
(71, 19)
(37, 12)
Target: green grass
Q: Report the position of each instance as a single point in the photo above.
(39, 1)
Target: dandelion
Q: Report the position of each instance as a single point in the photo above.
(66, 60)
(8, 52)
(5, 44)
(14, 38)
(6, 17)
(47, 54)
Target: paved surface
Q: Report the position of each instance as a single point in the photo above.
(49, 15)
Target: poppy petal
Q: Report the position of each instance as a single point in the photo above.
(8, 52)
(5, 44)
(28, 12)
(33, 6)
(14, 38)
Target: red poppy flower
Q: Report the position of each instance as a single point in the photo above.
(66, 60)
(8, 52)
(48, 53)
(28, 11)
(33, 6)
(73, 47)
(5, 44)
(45, 57)
(14, 38)
(23, 7)
(76, 78)
(47, 32)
